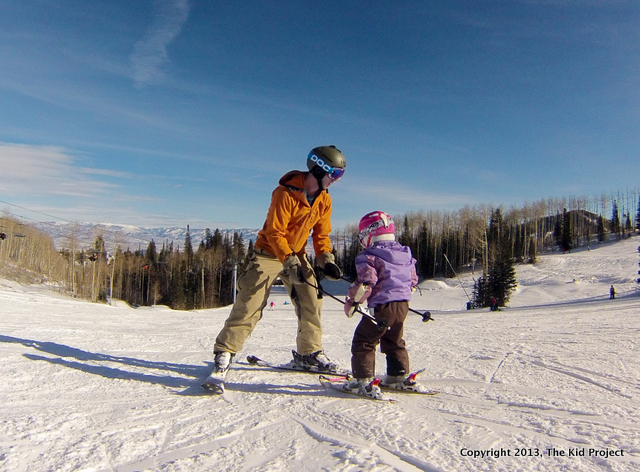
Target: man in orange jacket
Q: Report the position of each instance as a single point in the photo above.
(300, 206)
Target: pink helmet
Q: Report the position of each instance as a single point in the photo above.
(373, 225)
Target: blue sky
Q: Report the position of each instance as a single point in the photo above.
(176, 112)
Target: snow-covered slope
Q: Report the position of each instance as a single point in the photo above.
(550, 383)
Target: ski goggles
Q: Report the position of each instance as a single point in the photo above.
(373, 227)
(334, 173)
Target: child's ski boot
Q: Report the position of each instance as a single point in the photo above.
(367, 387)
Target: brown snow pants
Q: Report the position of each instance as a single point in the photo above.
(253, 289)
(368, 335)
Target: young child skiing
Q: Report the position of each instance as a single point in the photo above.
(386, 278)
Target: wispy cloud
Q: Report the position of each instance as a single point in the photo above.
(150, 53)
(400, 195)
(47, 170)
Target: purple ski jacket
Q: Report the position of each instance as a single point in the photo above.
(390, 269)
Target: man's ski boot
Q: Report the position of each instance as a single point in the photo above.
(403, 382)
(222, 362)
(317, 362)
(367, 387)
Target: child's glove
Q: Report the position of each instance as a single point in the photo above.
(357, 295)
(359, 292)
(350, 307)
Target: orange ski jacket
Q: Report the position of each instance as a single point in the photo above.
(291, 219)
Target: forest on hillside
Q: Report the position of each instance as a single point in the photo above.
(201, 274)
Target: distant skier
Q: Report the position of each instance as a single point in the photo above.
(493, 304)
(271, 305)
(612, 293)
(386, 278)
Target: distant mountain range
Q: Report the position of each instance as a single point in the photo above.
(128, 237)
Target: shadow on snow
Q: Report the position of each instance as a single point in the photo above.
(93, 363)
(64, 352)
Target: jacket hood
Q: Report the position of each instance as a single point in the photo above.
(391, 251)
(294, 178)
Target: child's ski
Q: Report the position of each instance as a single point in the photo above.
(409, 385)
(340, 383)
(254, 360)
(409, 390)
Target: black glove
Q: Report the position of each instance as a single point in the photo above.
(332, 271)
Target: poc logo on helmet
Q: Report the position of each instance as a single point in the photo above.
(315, 159)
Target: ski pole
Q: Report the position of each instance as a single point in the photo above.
(382, 324)
(426, 316)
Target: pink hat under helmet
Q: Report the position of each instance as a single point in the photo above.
(373, 225)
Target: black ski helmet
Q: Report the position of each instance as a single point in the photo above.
(326, 159)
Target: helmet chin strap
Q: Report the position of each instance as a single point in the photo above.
(319, 174)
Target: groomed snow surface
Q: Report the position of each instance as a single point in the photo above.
(550, 383)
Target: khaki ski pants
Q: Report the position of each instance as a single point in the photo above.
(253, 289)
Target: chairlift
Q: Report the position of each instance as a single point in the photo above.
(4, 235)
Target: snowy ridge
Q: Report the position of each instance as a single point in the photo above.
(128, 236)
(550, 383)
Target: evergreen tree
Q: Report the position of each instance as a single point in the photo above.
(248, 256)
(638, 216)
(601, 229)
(351, 250)
(149, 275)
(481, 297)
(207, 242)
(405, 236)
(518, 246)
(557, 231)
(188, 273)
(188, 247)
(238, 249)
(98, 279)
(216, 242)
(566, 239)
(177, 295)
(500, 280)
(615, 220)
(151, 255)
(422, 256)
(533, 253)
(99, 249)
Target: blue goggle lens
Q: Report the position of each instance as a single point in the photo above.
(336, 173)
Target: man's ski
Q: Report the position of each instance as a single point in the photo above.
(254, 360)
(340, 383)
